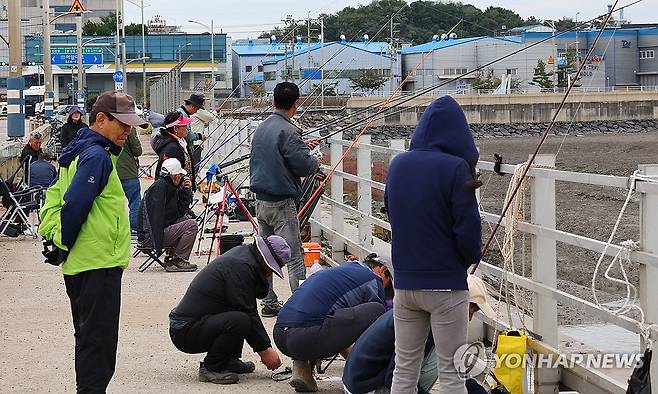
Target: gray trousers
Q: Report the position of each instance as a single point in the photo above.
(280, 218)
(415, 312)
(181, 236)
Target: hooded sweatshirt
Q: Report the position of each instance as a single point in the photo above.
(70, 128)
(430, 199)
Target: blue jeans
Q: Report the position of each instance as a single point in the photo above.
(132, 189)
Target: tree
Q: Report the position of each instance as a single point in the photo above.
(329, 89)
(257, 89)
(108, 27)
(567, 73)
(564, 24)
(368, 81)
(486, 81)
(542, 77)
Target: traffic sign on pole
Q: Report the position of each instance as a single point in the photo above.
(77, 7)
(118, 76)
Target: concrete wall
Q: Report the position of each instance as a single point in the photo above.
(532, 108)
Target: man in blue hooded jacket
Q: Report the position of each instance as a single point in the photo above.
(436, 236)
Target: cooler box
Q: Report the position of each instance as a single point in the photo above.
(311, 253)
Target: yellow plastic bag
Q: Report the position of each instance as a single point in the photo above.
(510, 360)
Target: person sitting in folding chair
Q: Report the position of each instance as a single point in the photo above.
(165, 220)
(327, 314)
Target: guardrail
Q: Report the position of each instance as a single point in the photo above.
(471, 91)
(348, 227)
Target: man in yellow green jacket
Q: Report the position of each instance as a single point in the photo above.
(85, 217)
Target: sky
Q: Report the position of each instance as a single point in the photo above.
(259, 15)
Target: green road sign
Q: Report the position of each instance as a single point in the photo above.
(73, 51)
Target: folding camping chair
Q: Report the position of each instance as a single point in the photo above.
(151, 255)
(19, 205)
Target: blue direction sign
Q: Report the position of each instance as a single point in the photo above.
(87, 58)
(70, 56)
(117, 76)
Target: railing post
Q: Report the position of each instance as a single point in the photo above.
(649, 243)
(337, 214)
(316, 230)
(544, 271)
(364, 192)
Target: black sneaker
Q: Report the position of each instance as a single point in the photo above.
(271, 310)
(239, 366)
(224, 377)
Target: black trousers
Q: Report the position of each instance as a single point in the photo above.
(221, 336)
(336, 333)
(95, 305)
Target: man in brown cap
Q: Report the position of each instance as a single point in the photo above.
(85, 222)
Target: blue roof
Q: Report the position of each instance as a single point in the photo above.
(373, 47)
(441, 44)
(260, 49)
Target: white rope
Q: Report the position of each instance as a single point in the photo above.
(624, 256)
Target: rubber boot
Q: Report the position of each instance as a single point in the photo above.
(302, 377)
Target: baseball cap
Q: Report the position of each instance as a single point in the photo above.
(374, 258)
(36, 135)
(172, 167)
(477, 293)
(275, 251)
(121, 106)
(182, 121)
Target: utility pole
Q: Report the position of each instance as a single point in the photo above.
(143, 63)
(308, 47)
(117, 38)
(212, 64)
(47, 64)
(393, 50)
(322, 61)
(81, 69)
(123, 49)
(15, 82)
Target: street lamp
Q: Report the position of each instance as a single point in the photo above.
(180, 51)
(212, 58)
(138, 59)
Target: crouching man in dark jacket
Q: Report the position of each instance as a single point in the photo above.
(219, 310)
(326, 315)
(163, 220)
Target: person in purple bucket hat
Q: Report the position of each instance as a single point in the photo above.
(218, 312)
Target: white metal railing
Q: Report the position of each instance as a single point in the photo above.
(329, 221)
(477, 92)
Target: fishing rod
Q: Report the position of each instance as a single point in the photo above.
(353, 59)
(301, 85)
(253, 70)
(208, 156)
(332, 170)
(405, 99)
(544, 135)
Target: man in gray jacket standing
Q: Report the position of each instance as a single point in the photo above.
(279, 158)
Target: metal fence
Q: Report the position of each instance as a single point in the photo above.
(348, 228)
(165, 92)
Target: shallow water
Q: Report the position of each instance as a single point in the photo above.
(606, 338)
